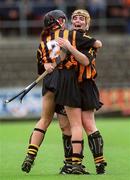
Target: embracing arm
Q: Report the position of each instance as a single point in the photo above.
(80, 57)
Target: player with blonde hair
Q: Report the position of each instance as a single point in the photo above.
(80, 20)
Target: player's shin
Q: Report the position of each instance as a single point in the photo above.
(34, 144)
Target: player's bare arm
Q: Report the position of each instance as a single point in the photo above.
(80, 57)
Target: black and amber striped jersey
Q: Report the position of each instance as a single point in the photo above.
(88, 72)
(49, 49)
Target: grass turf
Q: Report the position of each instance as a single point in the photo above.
(14, 140)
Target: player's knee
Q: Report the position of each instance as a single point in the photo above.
(89, 127)
(65, 128)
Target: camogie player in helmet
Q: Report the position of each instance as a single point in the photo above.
(89, 95)
(47, 54)
(55, 19)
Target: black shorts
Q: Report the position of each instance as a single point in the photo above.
(89, 95)
(50, 82)
(89, 98)
(68, 93)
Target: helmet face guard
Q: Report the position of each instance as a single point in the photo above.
(84, 13)
(55, 19)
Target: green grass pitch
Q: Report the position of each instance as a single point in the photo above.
(14, 140)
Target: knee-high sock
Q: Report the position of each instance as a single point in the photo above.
(67, 148)
(96, 143)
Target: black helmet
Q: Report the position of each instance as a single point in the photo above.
(53, 19)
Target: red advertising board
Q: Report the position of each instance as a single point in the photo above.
(116, 99)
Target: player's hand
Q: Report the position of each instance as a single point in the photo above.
(49, 67)
(64, 43)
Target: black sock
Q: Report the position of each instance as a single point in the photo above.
(67, 148)
(96, 143)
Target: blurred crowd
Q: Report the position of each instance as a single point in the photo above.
(16, 10)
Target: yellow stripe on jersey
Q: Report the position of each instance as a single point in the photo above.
(81, 70)
(74, 39)
(88, 72)
(40, 52)
(74, 45)
(44, 59)
(42, 44)
(65, 34)
(56, 34)
(48, 38)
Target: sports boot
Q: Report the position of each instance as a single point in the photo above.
(28, 163)
(66, 169)
(100, 167)
(79, 169)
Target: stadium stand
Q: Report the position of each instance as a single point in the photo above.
(25, 17)
(18, 57)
